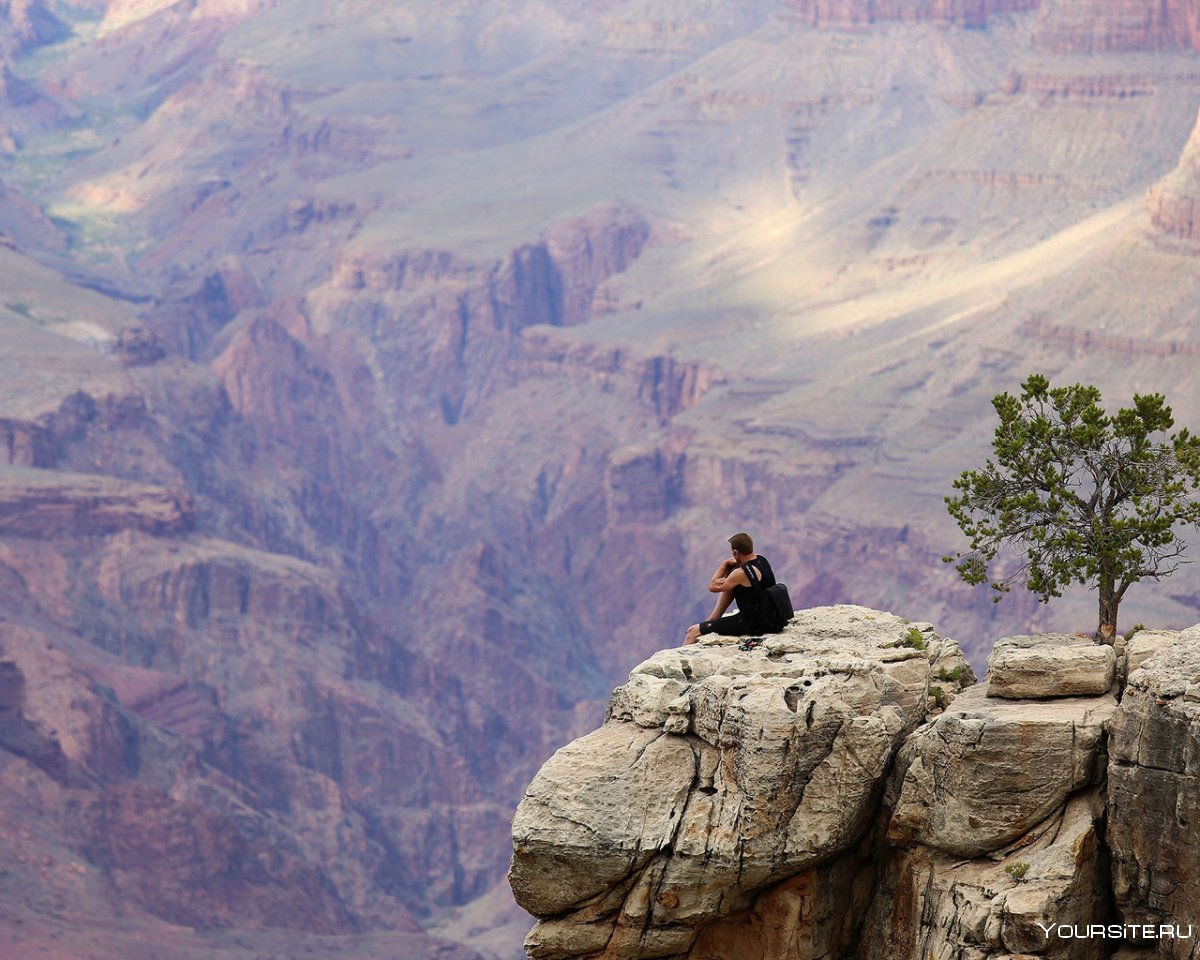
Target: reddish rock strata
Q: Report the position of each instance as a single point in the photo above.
(1099, 26)
(1174, 203)
(968, 13)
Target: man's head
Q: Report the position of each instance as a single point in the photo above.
(742, 544)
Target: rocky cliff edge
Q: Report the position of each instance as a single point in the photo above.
(845, 789)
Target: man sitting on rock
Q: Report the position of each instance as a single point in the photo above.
(731, 583)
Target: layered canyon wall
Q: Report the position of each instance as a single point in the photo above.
(1064, 26)
(245, 702)
(850, 13)
(1098, 26)
(1174, 203)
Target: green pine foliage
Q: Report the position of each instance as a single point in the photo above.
(1017, 870)
(1086, 496)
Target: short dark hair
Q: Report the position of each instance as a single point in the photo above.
(742, 543)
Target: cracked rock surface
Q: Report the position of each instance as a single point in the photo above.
(933, 904)
(1154, 794)
(988, 770)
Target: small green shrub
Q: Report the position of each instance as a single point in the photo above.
(939, 697)
(913, 639)
(1017, 870)
(950, 676)
(1136, 628)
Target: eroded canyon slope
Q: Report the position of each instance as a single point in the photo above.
(380, 380)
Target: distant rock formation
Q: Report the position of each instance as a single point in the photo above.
(553, 281)
(1064, 26)
(52, 503)
(28, 23)
(967, 13)
(1103, 26)
(24, 24)
(836, 793)
(22, 224)
(1174, 203)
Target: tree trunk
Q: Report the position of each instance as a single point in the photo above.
(1110, 600)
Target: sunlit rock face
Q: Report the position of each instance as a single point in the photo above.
(1051, 665)
(1174, 202)
(991, 769)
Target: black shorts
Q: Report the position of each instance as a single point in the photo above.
(735, 625)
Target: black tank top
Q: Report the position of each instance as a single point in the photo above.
(747, 597)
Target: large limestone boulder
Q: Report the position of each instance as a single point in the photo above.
(988, 770)
(1050, 665)
(1146, 643)
(932, 904)
(720, 774)
(1154, 795)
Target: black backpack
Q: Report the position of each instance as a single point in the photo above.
(774, 604)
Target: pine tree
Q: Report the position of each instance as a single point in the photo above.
(1090, 498)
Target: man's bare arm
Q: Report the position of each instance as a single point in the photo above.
(717, 583)
(735, 578)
